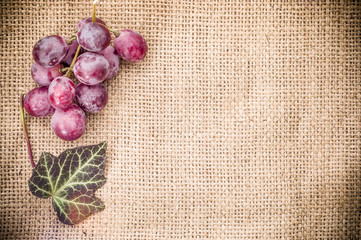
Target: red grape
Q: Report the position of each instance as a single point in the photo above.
(131, 46)
(36, 102)
(50, 51)
(91, 68)
(61, 92)
(94, 37)
(87, 20)
(71, 53)
(69, 123)
(91, 98)
(111, 55)
(43, 76)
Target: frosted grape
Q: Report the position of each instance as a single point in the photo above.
(91, 68)
(36, 102)
(94, 37)
(61, 92)
(50, 51)
(113, 59)
(69, 123)
(42, 75)
(91, 98)
(131, 46)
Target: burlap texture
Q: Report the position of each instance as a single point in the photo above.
(243, 122)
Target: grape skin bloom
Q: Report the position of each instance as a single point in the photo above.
(61, 92)
(36, 102)
(131, 46)
(44, 76)
(50, 51)
(113, 59)
(91, 68)
(94, 37)
(91, 98)
(69, 123)
(88, 20)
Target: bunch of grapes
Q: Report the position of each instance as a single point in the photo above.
(89, 57)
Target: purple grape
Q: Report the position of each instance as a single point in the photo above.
(131, 46)
(91, 68)
(91, 98)
(43, 76)
(71, 53)
(50, 51)
(69, 123)
(111, 55)
(37, 104)
(61, 92)
(87, 20)
(94, 37)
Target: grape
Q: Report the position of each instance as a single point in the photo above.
(91, 98)
(36, 102)
(61, 92)
(50, 51)
(91, 68)
(111, 55)
(94, 37)
(71, 53)
(43, 76)
(69, 123)
(87, 20)
(131, 46)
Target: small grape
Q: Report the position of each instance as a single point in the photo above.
(61, 92)
(36, 102)
(131, 46)
(94, 37)
(43, 76)
(91, 68)
(91, 98)
(87, 20)
(69, 123)
(50, 51)
(111, 55)
(71, 53)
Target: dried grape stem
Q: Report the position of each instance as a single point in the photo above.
(73, 62)
(25, 131)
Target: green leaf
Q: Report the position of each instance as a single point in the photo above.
(71, 180)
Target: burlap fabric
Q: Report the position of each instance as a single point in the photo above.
(243, 122)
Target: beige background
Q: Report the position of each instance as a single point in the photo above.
(243, 122)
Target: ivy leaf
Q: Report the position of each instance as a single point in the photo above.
(70, 180)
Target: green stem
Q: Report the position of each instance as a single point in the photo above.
(71, 39)
(73, 62)
(22, 115)
(63, 70)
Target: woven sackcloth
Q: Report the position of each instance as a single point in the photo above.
(243, 121)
